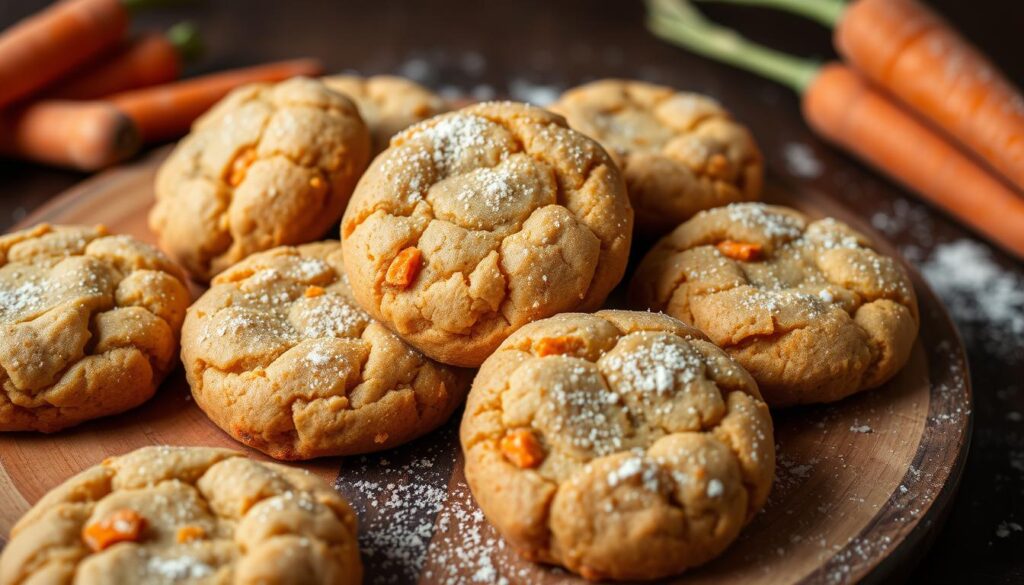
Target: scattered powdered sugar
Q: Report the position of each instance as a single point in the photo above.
(178, 568)
(397, 503)
(577, 410)
(830, 236)
(635, 466)
(658, 367)
(801, 161)
(492, 186)
(335, 317)
(318, 359)
(756, 216)
(447, 145)
(715, 488)
(563, 141)
(909, 217)
(236, 323)
(1007, 527)
(773, 301)
(789, 472)
(456, 137)
(466, 550)
(409, 505)
(24, 298)
(310, 268)
(416, 69)
(533, 93)
(982, 297)
(863, 429)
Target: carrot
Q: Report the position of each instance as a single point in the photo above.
(911, 52)
(79, 135)
(843, 108)
(51, 43)
(846, 110)
(151, 59)
(167, 111)
(89, 135)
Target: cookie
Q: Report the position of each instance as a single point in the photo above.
(279, 356)
(89, 325)
(268, 165)
(619, 444)
(680, 152)
(477, 222)
(809, 308)
(388, 104)
(186, 514)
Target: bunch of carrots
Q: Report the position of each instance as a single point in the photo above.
(914, 99)
(77, 91)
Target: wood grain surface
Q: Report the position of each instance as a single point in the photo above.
(861, 484)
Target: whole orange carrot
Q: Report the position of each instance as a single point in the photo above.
(151, 59)
(51, 43)
(911, 52)
(167, 111)
(90, 135)
(846, 110)
(843, 108)
(79, 135)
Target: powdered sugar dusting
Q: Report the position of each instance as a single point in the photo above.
(466, 550)
(636, 466)
(494, 187)
(757, 216)
(335, 317)
(397, 497)
(26, 297)
(177, 568)
(657, 368)
(455, 137)
(801, 161)
(584, 401)
(537, 94)
(979, 293)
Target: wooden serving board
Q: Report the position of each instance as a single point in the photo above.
(860, 485)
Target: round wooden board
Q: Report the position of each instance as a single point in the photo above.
(860, 484)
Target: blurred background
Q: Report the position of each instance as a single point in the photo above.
(531, 50)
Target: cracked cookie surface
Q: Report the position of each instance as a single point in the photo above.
(809, 308)
(477, 222)
(268, 165)
(388, 104)
(186, 515)
(618, 444)
(679, 152)
(279, 355)
(89, 325)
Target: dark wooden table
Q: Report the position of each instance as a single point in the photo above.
(534, 46)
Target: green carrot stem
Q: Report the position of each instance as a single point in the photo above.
(186, 39)
(825, 12)
(677, 22)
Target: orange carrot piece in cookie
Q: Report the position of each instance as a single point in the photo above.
(404, 268)
(558, 345)
(523, 449)
(240, 166)
(122, 526)
(740, 250)
(190, 532)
